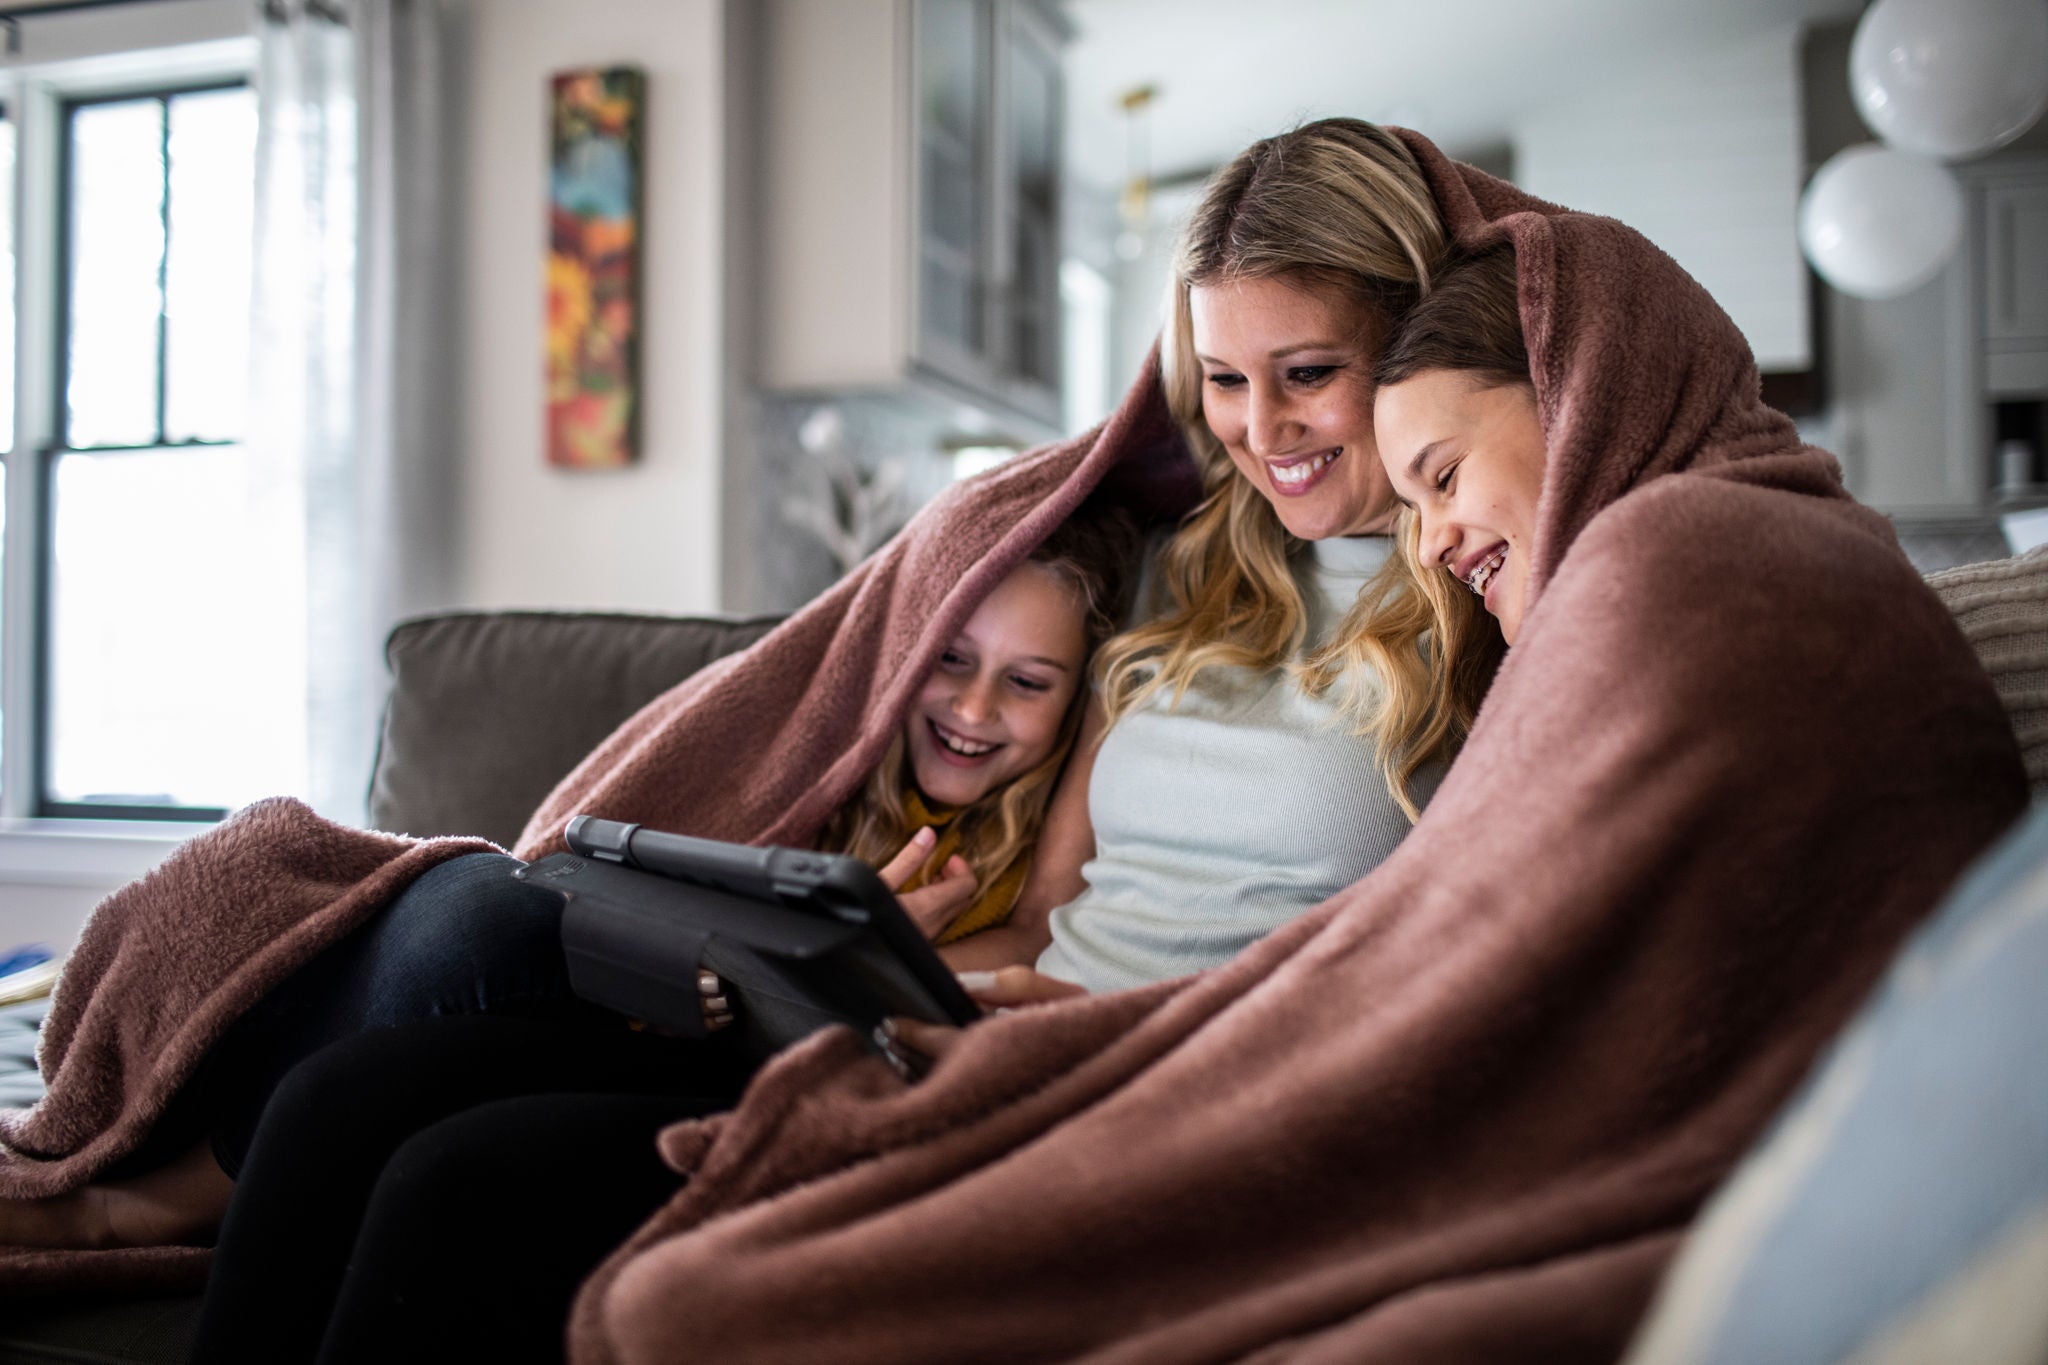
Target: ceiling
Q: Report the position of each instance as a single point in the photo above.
(1463, 71)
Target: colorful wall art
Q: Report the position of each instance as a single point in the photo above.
(593, 345)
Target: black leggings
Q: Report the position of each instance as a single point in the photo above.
(465, 938)
(437, 1190)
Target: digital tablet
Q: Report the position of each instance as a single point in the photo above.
(801, 939)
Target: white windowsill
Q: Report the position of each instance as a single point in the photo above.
(87, 853)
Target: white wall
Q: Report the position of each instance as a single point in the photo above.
(646, 537)
(1702, 154)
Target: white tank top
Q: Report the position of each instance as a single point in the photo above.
(1221, 818)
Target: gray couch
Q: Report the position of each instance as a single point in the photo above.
(489, 709)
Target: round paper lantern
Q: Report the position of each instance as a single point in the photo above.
(1950, 78)
(1877, 223)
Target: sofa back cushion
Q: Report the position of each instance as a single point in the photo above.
(489, 710)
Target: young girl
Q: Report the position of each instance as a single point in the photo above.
(953, 811)
(967, 781)
(962, 795)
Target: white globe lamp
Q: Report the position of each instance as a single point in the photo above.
(1877, 223)
(1950, 79)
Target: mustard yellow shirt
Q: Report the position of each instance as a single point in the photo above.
(993, 906)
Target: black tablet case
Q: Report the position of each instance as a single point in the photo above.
(801, 939)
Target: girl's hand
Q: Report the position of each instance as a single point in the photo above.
(933, 907)
(714, 999)
(1009, 988)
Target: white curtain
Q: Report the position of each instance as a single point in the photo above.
(348, 378)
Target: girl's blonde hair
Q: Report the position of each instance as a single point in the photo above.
(1334, 206)
(1093, 554)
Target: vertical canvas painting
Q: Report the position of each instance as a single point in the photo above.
(593, 341)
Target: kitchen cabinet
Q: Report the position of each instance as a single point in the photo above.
(2013, 241)
(1924, 387)
(910, 184)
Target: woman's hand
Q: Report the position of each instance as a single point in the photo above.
(1015, 987)
(1007, 989)
(935, 906)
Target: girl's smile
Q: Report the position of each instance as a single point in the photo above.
(992, 708)
(1466, 452)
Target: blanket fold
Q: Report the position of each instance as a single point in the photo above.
(761, 747)
(1472, 1100)
(1468, 1106)
(162, 967)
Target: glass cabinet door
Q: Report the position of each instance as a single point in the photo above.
(1031, 134)
(954, 74)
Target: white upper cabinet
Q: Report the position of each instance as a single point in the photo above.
(2015, 282)
(910, 200)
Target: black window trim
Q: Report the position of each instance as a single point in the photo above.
(50, 454)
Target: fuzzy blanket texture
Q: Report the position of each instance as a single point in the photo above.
(1466, 1109)
(762, 746)
(161, 969)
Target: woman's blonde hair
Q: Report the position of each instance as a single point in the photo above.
(1094, 554)
(1340, 206)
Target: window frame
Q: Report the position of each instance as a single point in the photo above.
(40, 101)
(58, 446)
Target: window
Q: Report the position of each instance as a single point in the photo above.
(164, 662)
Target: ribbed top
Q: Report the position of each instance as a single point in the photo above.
(1220, 819)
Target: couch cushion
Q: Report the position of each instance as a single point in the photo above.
(2003, 610)
(488, 710)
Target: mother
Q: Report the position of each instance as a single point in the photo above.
(1465, 1110)
(1222, 803)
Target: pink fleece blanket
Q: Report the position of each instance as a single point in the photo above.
(761, 746)
(1465, 1110)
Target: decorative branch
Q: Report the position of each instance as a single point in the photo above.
(850, 510)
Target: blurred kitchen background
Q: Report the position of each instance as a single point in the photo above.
(887, 243)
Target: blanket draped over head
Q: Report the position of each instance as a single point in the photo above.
(1465, 1109)
(762, 747)
(1462, 1111)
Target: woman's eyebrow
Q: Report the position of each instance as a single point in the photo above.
(1296, 349)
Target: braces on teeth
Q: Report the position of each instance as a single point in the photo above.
(1483, 575)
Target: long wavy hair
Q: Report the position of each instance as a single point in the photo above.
(1092, 554)
(1336, 205)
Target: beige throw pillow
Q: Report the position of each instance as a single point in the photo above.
(2002, 607)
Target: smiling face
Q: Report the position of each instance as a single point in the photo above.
(1466, 452)
(1287, 389)
(991, 709)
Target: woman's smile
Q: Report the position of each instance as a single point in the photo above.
(1287, 391)
(1297, 474)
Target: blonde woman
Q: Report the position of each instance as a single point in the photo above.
(1275, 723)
